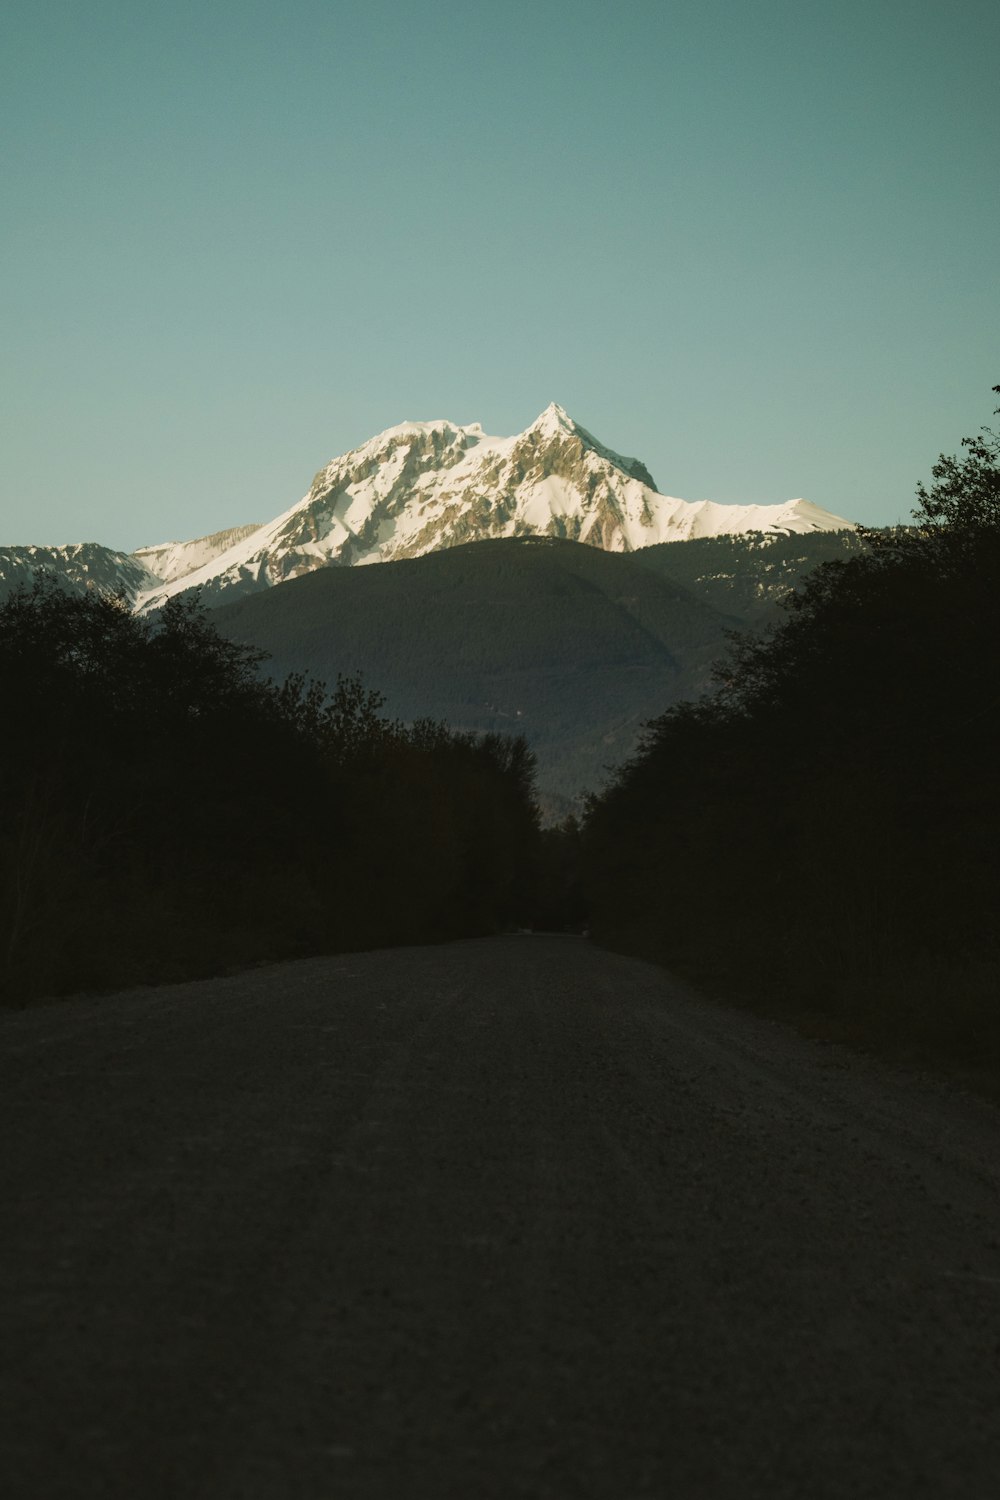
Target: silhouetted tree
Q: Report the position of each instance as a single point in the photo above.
(965, 494)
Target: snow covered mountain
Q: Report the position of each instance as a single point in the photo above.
(422, 486)
(172, 560)
(417, 488)
(81, 565)
(88, 565)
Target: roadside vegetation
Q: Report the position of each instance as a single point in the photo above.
(822, 833)
(167, 812)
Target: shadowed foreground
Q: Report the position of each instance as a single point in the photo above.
(502, 1218)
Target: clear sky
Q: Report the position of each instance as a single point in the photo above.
(756, 245)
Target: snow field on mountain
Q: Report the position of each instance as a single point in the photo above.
(422, 486)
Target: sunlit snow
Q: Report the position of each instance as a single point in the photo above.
(420, 486)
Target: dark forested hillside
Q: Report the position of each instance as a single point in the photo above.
(747, 575)
(571, 646)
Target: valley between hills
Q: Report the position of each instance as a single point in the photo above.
(764, 757)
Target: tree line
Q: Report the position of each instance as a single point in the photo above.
(825, 825)
(166, 811)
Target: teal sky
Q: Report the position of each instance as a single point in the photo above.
(754, 244)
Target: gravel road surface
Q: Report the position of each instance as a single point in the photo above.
(511, 1218)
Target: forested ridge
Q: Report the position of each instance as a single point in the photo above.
(571, 646)
(824, 828)
(745, 575)
(568, 644)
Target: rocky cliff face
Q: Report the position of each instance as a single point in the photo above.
(81, 565)
(417, 488)
(88, 565)
(423, 486)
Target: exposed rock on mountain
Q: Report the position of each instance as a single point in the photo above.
(172, 560)
(80, 565)
(424, 486)
(88, 565)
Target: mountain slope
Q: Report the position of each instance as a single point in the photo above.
(169, 561)
(426, 486)
(747, 576)
(84, 565)
(570, 645)
(81, 565)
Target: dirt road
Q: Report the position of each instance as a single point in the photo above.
(513, 1218)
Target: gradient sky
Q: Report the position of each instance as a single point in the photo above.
(754, 244)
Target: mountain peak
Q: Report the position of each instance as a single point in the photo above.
(555, 425)
(421, 486)
(554, 418)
